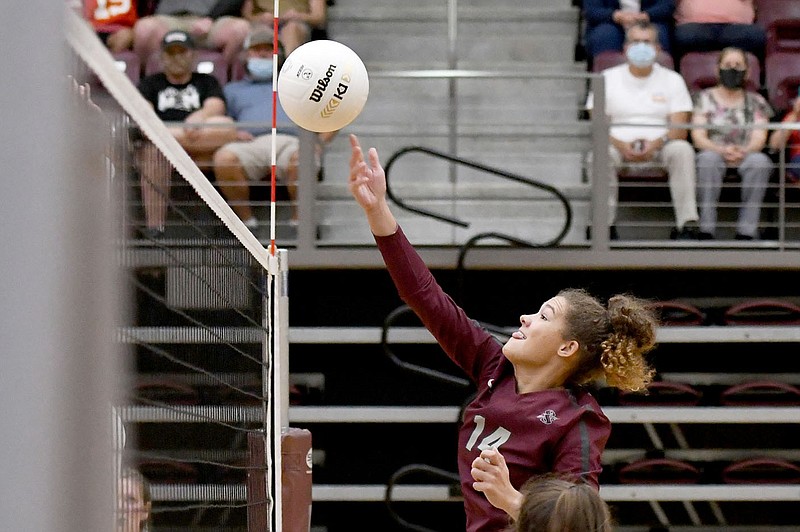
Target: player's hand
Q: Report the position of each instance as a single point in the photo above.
(367, 181)
(490, 473)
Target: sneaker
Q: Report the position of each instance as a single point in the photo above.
(702, 235)
(689, 231)
(740, 236)
(152, 233)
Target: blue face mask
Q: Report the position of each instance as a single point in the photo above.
(260, 69)
(641, 54)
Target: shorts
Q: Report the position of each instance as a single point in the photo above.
(255, 155)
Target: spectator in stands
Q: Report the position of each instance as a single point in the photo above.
(607, 21)
(710, 25)
(786, 138)
(134, 502)
(643, 92)
(213, 24)
(297, 18)
(249, 158)
(113, 21)
(530, 401)
(179, 95)
(723, 145)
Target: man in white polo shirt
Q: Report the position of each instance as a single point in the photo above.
(643, 92)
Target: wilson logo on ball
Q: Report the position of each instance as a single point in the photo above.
(322, 85)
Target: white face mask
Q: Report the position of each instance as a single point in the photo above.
(641, 54)
(260, 68)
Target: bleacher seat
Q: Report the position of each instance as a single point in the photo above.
(761, 393)
(659, 471)
(611, 58)
(168, 472)
(163, 390)
(763, 312)
(673, 313)
(238, 70)
(699, 70)
(782, 78)
(761, 471)
(781, 20)
(663, 393)
(206, 62)
(128, 63)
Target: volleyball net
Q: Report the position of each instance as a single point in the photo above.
(205, 335)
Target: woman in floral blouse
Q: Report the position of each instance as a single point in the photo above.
(730, 111)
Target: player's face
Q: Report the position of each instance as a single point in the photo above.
(539, 336)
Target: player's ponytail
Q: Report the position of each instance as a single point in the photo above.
(613, 340)
(633, 333)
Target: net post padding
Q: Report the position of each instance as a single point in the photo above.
(91, 50)
(296, 481)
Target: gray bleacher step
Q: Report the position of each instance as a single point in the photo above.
(408, 35)
(500, 11)
(341, 228)
(609, 492)
(447, 414)
(414, 335)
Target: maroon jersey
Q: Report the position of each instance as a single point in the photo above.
(559, 430)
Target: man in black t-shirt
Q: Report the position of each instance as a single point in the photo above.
(178, 94)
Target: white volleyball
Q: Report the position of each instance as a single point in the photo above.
(323, 85)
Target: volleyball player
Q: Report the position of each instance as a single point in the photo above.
(531, 403)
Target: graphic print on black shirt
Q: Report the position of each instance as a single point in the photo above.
(185, 99)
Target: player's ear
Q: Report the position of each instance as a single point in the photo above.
(569, 348)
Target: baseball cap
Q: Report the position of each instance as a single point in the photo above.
(177, 37)
(259, 36)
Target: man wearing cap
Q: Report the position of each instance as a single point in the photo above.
(250, 158)
(213, 24)
(178, 94)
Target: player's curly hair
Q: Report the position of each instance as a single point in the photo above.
(613, 340)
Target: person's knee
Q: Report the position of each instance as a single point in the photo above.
(759, 164)
(225, 159)
(147, 29)
(230, 33)
(296, 29)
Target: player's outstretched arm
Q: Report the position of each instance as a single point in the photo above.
(367, 184)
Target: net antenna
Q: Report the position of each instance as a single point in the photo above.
(273, 158)
(87, 46)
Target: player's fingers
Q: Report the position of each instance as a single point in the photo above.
(491, 456)
(374, 161)
(356, 154)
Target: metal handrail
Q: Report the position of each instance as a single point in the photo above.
(478, 166)
(408, 470)
(416, 368)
